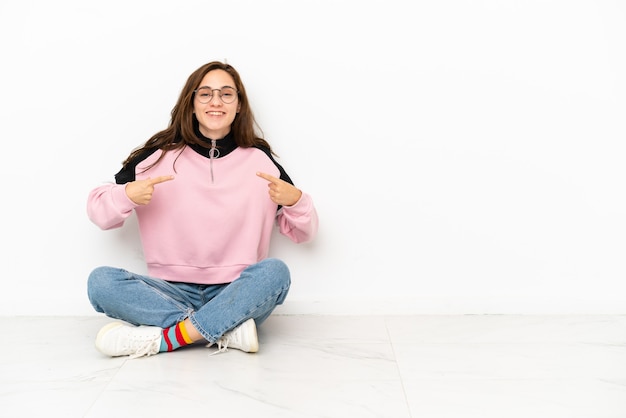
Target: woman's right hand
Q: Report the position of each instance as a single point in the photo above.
(140, 191)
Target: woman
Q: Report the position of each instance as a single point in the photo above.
(207, 193)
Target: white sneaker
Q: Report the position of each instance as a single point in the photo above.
(117, 339)
(243, 338)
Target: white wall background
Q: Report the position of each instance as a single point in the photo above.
(464, 156)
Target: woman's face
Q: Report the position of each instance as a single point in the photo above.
(215, 116)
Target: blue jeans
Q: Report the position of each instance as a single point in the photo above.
(212, 309)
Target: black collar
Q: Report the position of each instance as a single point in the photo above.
(225, 145)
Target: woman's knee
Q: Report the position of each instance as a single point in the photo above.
(278, 271)
(99, 282)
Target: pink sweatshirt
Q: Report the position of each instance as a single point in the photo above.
(198, 231)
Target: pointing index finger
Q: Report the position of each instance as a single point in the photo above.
(267, 177)
(160, 179)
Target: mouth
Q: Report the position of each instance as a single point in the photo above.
(215, 113)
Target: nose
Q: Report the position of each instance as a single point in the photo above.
(216, 96)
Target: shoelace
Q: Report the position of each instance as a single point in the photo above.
(145, 347)
(222, 346)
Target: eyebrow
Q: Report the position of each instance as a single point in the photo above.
(209, 87)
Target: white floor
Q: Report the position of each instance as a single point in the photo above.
(328, 366)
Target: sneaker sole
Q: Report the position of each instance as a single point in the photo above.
(102, 332)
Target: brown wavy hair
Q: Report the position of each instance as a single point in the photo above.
(180, 131)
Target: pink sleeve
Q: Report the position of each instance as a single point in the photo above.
(108, 206)
(299, 222)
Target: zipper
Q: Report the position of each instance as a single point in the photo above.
(213, 153)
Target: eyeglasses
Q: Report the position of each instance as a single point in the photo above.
(226, 94)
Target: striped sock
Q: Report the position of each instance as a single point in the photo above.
(174, 337)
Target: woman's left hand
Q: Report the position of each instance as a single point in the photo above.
(281, 192)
